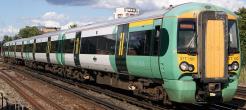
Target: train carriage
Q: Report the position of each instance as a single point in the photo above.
(188, 53)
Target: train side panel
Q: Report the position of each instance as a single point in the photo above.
(93, 58)
(96, 62)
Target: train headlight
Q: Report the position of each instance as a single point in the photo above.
(235, 66)
(229, 67)
(184, 66)
(191, 68)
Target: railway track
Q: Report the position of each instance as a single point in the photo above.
(235, 104)
(241, 92)
(225, 106)
(19, 87)
(53, 79)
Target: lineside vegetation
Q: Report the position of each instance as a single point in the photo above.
(242, 26)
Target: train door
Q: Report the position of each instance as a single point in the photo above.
(34, 49)
(14, 49)
(139, 48)
(155, 48)
(30, 48)
(25, 50)
(214, 44)
(77, 49)
(22, 48)
(121, 46)
(48, 49)
(60, 52)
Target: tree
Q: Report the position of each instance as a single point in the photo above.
(29, 32)
(7, 38)
(242, 27)
(16, 37)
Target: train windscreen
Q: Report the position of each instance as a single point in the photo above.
(233, 37)
(186, 37)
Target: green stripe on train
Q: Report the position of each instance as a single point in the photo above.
(58, 51)
(62, 52)
(59, 54)
(112, 57)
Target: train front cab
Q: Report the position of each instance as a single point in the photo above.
(208, 57)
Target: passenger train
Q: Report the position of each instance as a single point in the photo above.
(188, 53)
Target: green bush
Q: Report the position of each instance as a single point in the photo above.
(242, 29)
(242, 78)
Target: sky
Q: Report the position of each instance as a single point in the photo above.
(16, 14)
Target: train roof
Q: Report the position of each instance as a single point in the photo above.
(171, 11)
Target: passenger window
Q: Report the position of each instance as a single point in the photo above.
(88, 45)
(54, 46)
(17, 48)
(111, 43)
(41, 47)
(10, 48)
(104, 45)
(24, 47)
(68, 45)
(30, 46)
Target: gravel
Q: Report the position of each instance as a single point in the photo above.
(12, 96)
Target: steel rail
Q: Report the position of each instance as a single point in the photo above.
(27, 97)
(48, 101)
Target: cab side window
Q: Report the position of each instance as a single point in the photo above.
(139, 43)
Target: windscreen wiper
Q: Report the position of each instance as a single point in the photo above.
(189, 45)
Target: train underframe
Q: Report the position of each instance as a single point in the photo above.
(151, 89)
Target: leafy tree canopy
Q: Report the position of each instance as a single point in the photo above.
(242, 27)
(7, 38)
(29, 32)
